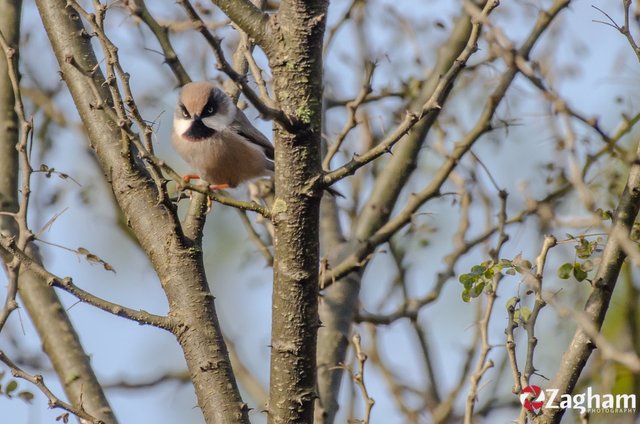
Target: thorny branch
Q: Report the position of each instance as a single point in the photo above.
(54, 401)
(8, 248)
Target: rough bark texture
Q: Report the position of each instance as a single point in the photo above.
(10, 27)
(297, 78)
(176, 259)
(59, 340)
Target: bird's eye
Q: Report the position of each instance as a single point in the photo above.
(210, 110)
(184, 111)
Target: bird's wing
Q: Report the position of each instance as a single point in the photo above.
(243, 127)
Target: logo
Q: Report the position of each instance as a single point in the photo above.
(532, 398)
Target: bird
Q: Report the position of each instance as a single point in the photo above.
(217, 140)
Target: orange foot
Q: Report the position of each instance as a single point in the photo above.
(219, 186)
(188, 177)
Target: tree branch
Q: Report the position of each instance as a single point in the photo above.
(58, 337)
(54, 401)
(297, 69)
(604, 282)
(253, 21)
(153, 220)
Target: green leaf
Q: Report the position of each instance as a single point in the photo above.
(11, 387)
(489, 273)
(565, 270)
(511, 303)
(467, 280)
(504, 263)
(510, 271)
(477, 290)
(478, 269)
(578, 272)
(525, 313)
(466, 297)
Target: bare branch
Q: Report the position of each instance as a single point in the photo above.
(8, 247)
(249, 18)
(54, 401)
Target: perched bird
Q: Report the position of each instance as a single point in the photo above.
(216, 138)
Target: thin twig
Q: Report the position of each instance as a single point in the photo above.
(54, 401)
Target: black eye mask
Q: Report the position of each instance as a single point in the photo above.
(210, 109)
(198, 131)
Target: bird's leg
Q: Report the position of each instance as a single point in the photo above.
(219, 186)
(188, 177)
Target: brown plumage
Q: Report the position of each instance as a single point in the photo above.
(216, 138)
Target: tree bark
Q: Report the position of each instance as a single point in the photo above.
(60, 341)
(575, 357)
(177, 259)
(297, 77)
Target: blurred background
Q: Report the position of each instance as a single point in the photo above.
(587, 62)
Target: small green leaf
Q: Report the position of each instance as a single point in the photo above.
(565, 270)
(587, 265)
(467, 279)
(511, 303)
(510, 271)
(525, 313)
(478, 269)
(466, 297)
(504, 263)
(477, 290)
(11, 387)
(578, 272)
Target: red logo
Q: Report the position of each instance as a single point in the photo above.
(532, 398)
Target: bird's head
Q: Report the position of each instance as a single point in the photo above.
(203, 109)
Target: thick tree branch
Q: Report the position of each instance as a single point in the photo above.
(177, 261)
(372, 237)
(297, 69)
(340, 300)
(59, 339)
(576, 356)
(248, 17)
(8, 248)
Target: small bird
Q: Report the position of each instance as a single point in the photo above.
(216, 138)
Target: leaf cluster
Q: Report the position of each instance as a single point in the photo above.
(481, 276)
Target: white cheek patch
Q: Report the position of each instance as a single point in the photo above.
(181, 126)
(218, 122)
